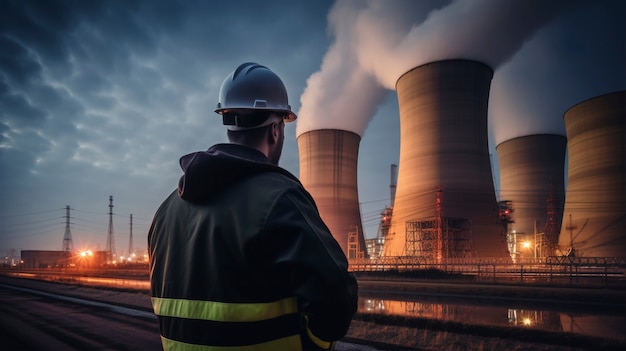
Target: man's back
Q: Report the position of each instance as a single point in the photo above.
(249, 265)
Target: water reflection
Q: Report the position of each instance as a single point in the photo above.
(599, 325)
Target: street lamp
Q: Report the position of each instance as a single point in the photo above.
(532, 246)
(529, 245)
(86, 256)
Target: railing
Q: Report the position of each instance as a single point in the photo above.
(586, 271)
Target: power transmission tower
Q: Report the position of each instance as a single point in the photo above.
(130, 240)
(110, 238)
(68, 245)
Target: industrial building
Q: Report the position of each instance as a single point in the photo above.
(328, 171)
(61, 259)
(376, 246)
(45, 259)
(444, 166)
(594, 218)
(532, 180)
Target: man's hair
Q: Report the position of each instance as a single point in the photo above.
(253, 136)
(250, 137)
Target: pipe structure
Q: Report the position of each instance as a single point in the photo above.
(594, 219)
(328, 171)
(532, 177)
(393, 184)
(444, 145)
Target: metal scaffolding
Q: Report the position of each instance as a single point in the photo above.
(354, 249)
(438, 238)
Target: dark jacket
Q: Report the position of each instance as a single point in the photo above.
(239, 256)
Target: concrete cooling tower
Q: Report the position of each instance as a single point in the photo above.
(443, 145)
(328, 171)
(532, 170)
(594, 219)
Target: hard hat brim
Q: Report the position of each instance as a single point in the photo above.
(290, 116)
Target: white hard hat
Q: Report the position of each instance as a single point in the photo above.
(251, 88)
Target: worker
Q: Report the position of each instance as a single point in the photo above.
(239, 256)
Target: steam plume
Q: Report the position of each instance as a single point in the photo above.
(376, 42)
(578, 56)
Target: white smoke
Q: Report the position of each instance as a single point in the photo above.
(580, 55)
(341, 95)
(377, 41)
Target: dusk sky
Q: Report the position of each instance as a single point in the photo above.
(101, 98)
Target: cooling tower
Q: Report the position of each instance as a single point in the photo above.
(443, 143)
(532, 177)
(328, 171)
(594, 219)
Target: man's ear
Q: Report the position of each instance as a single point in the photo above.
(274, 133)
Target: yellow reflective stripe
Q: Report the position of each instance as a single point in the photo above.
(288, 343)
(326, 345)
(223, 311)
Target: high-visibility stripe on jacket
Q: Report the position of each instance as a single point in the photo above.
(280, 316)
(222, 311)
(288, 343)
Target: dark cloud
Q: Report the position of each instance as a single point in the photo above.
(37, 24)
(16, 63)
(20, 111)
(41, 30)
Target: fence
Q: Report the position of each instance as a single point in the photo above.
(587, 271)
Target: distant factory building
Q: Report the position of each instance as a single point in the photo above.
(375, 247)
(62, 259)
(45, 259)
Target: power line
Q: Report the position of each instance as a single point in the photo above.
(30, 213)
(91, 212)
(10, 225)
(33, 232)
